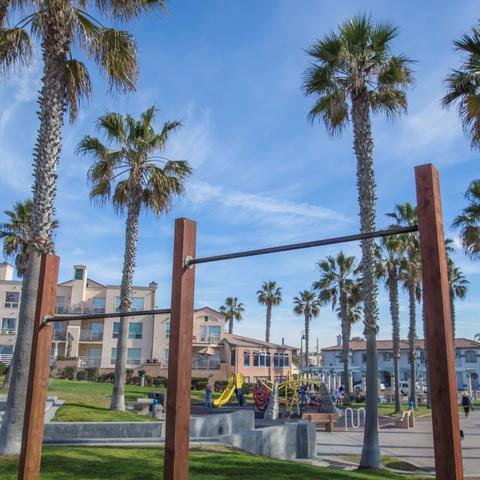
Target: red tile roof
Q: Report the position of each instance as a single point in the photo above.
(388, 345)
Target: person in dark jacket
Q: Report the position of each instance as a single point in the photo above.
(467, 403)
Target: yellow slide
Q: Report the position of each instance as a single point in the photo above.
(229, 389)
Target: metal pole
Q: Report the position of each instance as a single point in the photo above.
(180, 353)
(438, 327)
(138, 313)
(33, 424)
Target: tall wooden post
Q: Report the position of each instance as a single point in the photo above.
(438, 327)
(180, 353)
(33, 425)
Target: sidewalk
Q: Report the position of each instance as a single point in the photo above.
(414, 446)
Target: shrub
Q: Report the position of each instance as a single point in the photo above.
(70, 373)
(107, 377)
(3, 369)
(130, 372)
(248, 388)
(141, 373)
(133, 380)
(148, 380)
(81, 375)
(160, 382)
(199, 383)
(91, 373)
(220, 385)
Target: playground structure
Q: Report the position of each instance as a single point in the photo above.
(235, 382)
(436, 298)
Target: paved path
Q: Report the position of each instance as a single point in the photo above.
(414, 446)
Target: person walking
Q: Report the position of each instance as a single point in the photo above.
(208, 397)
(467, 403)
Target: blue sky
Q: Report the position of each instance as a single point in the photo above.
(232, 73)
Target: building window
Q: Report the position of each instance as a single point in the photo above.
(268, 359)
(364, 358)
(280, 359)
(387, 356)
(116, 329)
(263, 359)
(12, 299)
(167, 330)
(422, 357)
(6, 349)
(98, 304)
(214, 331)
(78, 275)
(232, 357)
(246, 359)
(470, 356)
(8, 325)
(138, 304)
(256, 359)
(133, 356)
(135, 330)
(165, 355)
(205, 318)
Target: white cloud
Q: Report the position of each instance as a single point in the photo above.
(203, 192)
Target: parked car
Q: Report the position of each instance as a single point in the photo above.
(405, 387)
(358, 387)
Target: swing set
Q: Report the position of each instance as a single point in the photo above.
(441, 358)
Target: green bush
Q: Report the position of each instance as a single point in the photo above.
(199, 383)
(107, 377)
(130, 372)
(3, 369)
(70, 373)
(248, 388)
(160, 382)
(220, 385)
(81, 375)
(91, 373)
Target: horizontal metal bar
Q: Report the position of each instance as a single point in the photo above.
(106, 315)
(299, 246)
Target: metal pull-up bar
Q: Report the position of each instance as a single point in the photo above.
(299, 246)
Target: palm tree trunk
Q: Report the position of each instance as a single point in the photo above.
(126, 292)
(452, 314)
(395, 315)
(56, 44)
(268, 322)
(412, 337)
(307, 340)
(230, 325)
(363, 146)
(345, 340)
(3, 11)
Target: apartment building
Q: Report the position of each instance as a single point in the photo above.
(467, 360)
(93, 343)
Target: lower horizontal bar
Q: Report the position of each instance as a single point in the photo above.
(106, 315)
(298, 246)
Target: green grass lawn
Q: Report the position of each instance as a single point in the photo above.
(82, 463)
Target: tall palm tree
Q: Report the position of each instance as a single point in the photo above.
(131, 171)
(463, 85)
(410, 274)
(469, 221)
(62, 27)
(354, 74)
(336, 276)
(233, 310)
(308, 305)
(16, 234)
(458, 287)
(477, 337)
(390, 258)
(270, 294)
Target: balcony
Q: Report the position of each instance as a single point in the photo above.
(6, 358)
(205, 364)
(207, 340)
(82, 308)
(90, 336)
(8, 331)
(89, 362)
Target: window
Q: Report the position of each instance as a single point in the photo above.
(12, 299)
(422, 357)
(98, 304)
(205, 318)
(6, 349)
(8, 324)
(387, 356)
(167, 330)
(268, 360)
(214, 331)
(97, 331)
(135, 330)
(232, 357)
(78, 275)
(246, 359)
(470, 356)
(134, 356)
(60, 306)
(364, 358)
(280, 359)
(116, 329)
(203, 333)
(165, 355)
(256, 359)
(137, 304)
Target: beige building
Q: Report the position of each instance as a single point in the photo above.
(92, 343)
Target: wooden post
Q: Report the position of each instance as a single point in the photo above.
(438, 327)
(180, 353)
(33, 425)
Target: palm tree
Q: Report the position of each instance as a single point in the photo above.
(354, 74)
(410, 275)
(62, 28)
(308, 305)
(232, 310)
(469, 221)
(390, 258)
(270, 294)
(477, 337)
(336, 276)
(463, 85)
(130, 171)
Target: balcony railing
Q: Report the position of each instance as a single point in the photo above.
(6, 358)
(79, 309)
(209, 339)
(8, 331)
(90, 336)
(205, 364)
(130, 361)
(88, 362)
(59, 335)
